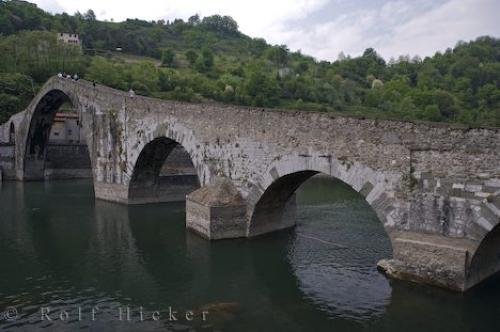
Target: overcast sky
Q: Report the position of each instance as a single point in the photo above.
(323, 28)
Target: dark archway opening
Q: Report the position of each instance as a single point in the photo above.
(276, 208)
(486, 261)
(164, 172)
(56, 147)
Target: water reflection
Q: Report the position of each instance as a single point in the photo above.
(60, 248)
(339, 241)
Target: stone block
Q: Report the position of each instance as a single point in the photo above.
(429, 259)
(216, 211)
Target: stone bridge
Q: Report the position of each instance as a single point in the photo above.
(435, 188)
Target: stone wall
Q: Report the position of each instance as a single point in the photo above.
(67, 161)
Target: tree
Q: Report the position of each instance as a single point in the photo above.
(104, 72)
(278, 55)
(206, 62)
(9, 105)
(302, 67)
(262, 89)
(165, 80)
(194, 20)
(167, 58)
(191, 56)
(223, 24)
(431, 113)
(89, 15)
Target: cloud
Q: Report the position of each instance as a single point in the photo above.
(397, 28)
(444, 26)
(51, 6)
(254, 17)
(393, 28)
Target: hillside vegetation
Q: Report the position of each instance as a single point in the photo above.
(210, 59)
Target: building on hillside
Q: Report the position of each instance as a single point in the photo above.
(66, 129)
(69, 38)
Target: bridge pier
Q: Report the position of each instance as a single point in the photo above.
(430, 259)
(111, 192)
(216, 211)
(34, 170)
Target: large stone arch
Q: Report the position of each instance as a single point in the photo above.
(33, 132)
(270, 206)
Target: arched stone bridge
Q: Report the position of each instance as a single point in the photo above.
(435, 188)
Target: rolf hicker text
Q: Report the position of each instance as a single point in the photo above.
(121, 314)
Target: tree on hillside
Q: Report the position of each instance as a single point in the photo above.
(194, 20)
(278, 55)
(225, 24)
(167, 58)
(191, 56)
(206, 62)
(89, 15)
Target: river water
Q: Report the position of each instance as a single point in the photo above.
(85, 264)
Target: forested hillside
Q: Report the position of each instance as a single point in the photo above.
(209, 59)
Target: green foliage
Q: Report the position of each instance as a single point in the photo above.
(278, 55)
(9, 105)
(191, 56)
(224, 24)
(262, 89)
(214, 61)
(39, 55)
(206, 62)
(16, 91)
(104, 72)
(431, 113)
(167, 58)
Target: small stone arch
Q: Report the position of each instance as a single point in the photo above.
(485, 261)
(269, 200)
(163, 172)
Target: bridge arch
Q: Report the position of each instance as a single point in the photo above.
(485, 260)
(271, 202)
(39, 118)
(163, 172)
